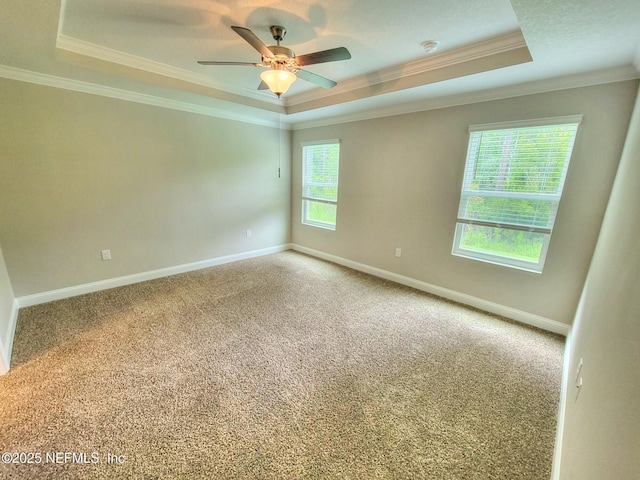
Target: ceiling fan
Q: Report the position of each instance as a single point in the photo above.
(284, 67)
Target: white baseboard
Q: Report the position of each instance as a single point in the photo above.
(59, 294)
(6, 341)
(562, 407)
(491, 307)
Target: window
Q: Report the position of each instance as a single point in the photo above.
(511, 190)
(320, 162)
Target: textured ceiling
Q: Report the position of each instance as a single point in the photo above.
(151, 47)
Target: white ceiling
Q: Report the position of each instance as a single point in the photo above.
(147, 50)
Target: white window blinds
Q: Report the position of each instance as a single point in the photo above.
(320, 165)
(514, 176)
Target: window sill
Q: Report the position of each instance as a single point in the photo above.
(324, 226)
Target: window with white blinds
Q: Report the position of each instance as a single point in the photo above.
(320, 166)
(511, 190)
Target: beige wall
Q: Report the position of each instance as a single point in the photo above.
(400, 180)
(7, 301)
(158, 187)
(601, 434)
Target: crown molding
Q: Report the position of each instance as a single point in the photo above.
(511, 43)
(494, 46)
(597, 77)
(28, 76)
(81, 47)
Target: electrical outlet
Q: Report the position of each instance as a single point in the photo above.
(106, 254)
(248, 233)
(398, 252)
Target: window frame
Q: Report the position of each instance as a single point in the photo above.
(307, 200)
(470, 163)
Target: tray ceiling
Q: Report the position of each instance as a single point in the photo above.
(151, 47)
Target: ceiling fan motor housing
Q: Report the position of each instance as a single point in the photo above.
(283, 58)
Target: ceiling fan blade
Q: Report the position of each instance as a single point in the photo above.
(254, 41)
(263, 86)
(247, 64)
(317, 79)
(331, 55)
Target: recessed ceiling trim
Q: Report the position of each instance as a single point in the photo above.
(447, 72)
(494, 46)
(81, 47)
(360, 86)
(599, 77)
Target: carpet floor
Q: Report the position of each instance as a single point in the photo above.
(283, 366)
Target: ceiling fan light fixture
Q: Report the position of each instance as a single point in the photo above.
(284, 67)
(278, 81)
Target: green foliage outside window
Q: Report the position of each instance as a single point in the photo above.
(503, 242)
(320, 184)
(322, 212)
(513, 181)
